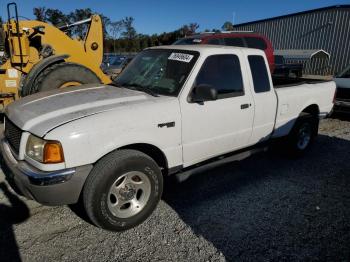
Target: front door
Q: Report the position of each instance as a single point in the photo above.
(216, 127)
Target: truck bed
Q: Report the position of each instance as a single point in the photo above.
(294, 95)
(280, 82)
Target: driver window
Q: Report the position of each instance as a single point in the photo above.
(222, 72)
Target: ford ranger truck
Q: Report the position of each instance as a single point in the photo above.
(172, 110)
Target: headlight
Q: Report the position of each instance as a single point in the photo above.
(47, 152)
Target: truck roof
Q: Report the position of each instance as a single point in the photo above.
(210, 48)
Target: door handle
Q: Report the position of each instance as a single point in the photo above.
(245, 106)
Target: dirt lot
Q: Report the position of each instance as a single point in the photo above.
(267, 207)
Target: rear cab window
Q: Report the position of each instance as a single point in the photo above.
(214, 41)
(258, 69)
(222, 72)
(255, 42)
(234, 41)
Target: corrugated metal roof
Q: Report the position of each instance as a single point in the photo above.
(303, 54)
(328, 29)
(294, 14)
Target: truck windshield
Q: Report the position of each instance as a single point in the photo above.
(158, 71)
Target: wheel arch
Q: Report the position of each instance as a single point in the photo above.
(312, 109)
(285, 127)
(152, 151)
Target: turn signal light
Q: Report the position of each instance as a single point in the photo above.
(53, 153)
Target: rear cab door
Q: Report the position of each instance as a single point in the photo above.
(264, 96)
(217, 127)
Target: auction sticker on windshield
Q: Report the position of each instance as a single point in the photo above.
(181, 57)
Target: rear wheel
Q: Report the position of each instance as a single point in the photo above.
(62, 75)
(303, 134)
(122, 190)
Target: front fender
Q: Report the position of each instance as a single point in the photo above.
(87, 140)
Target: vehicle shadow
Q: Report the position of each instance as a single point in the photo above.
(271, 208)
(341, 116)
(79, 210)
(10, 215)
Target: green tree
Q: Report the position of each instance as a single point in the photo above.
(185, 30)
(116, 28)
(189, 29)
(106, 21)
(119, 36)
(227, 26)
(193, 27)
(78, 15)
(39, 13)
(130, 32)
(144, 42)
(56, 17)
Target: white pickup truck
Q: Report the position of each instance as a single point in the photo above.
(173, 108)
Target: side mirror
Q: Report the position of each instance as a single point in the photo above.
(202, 93)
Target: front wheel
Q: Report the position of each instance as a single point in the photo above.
(122, 190)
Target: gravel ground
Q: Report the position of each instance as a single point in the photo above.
(265, 208)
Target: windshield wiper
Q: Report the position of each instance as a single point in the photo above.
(141, 88)
(115, 84)
(149, 91)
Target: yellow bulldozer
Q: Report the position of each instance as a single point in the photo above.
(39, 56)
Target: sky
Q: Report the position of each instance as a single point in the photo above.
(153, 16)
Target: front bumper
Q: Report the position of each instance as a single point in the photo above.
(49, 188)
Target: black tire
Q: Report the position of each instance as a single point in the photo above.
(56, 75)
(302, 135)
(103, 177)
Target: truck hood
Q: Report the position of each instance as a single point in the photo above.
(42, 112)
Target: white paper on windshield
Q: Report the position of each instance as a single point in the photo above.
(181, 57)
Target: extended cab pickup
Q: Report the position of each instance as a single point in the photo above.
(173, 108)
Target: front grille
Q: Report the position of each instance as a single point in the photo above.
(13, 134)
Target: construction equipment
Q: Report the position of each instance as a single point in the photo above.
(39, 57)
